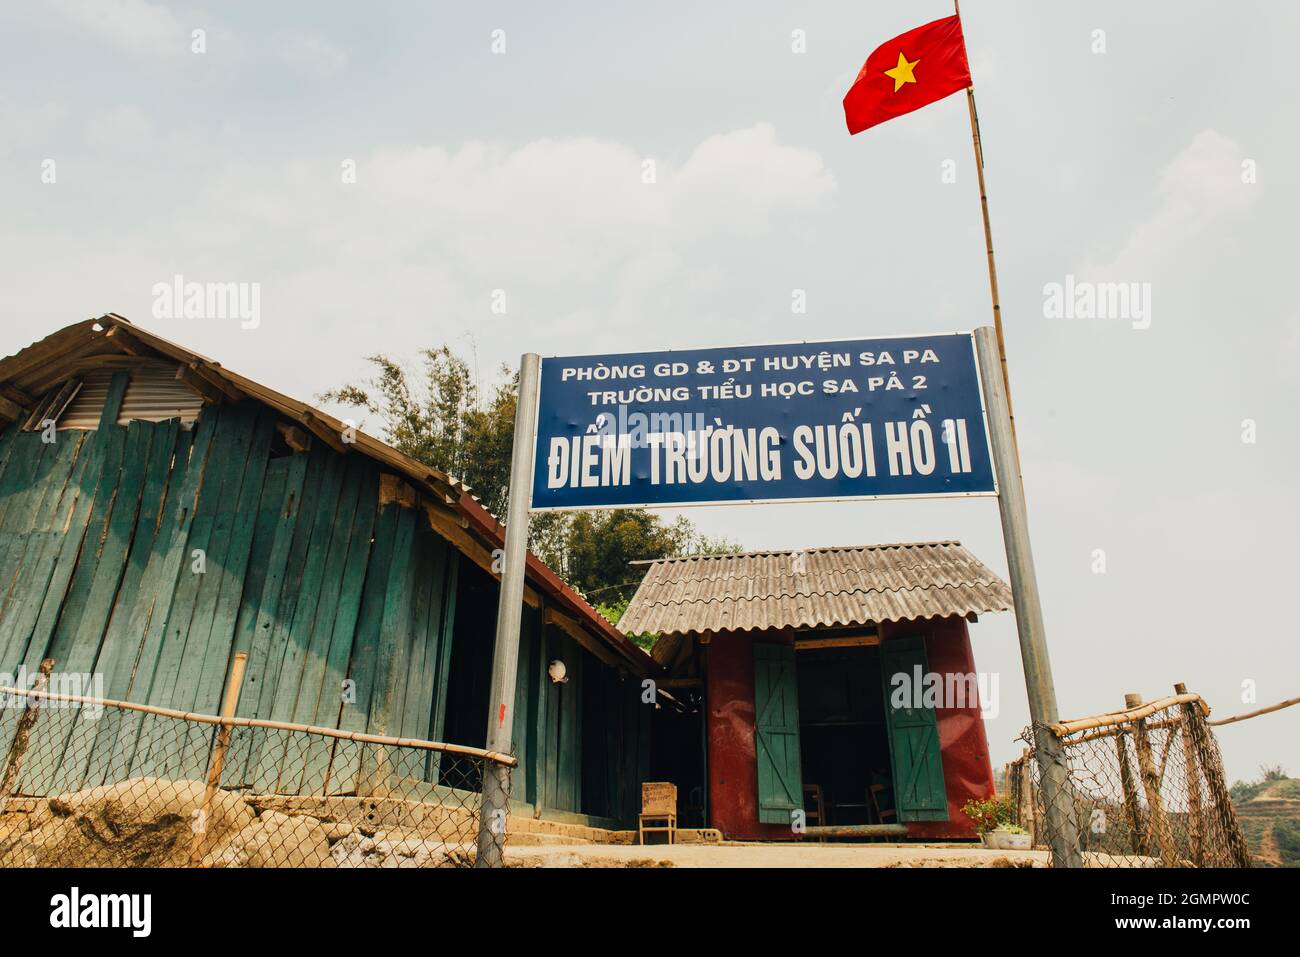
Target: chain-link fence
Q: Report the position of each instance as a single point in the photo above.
(1143, 787)
(88, 782)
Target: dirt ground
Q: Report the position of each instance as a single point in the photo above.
(771, 855)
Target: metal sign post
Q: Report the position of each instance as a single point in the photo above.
(1062, 832)
(505, 659)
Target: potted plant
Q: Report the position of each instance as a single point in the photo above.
(992, 820)
(1007, 837)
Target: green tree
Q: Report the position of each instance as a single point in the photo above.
(442, 417)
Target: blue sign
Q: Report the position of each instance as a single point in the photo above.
(813, 420)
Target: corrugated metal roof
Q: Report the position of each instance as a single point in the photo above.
(154, 394)
(821, 587)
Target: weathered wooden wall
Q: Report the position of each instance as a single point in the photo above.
(583, 745)
(100, 539)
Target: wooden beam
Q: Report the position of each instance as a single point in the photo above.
(10, 411)
(16, 395)
(217, 382)
(325, 432)
(579, 634)
(101, 362)
(204, 388)
(297, 439)
(128, 343)
(393, 489)
(856, 830)
(53, 407)
(847, 641)
(449, 527)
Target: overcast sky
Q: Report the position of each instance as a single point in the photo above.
(1169, 159)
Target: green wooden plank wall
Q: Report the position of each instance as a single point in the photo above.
(583, 745)
(149, 555)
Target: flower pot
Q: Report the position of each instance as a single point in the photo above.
(1006, 841)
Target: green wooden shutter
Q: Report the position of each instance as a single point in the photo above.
(919, 793)
(776, 734)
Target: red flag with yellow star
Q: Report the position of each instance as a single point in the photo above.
(907, 73)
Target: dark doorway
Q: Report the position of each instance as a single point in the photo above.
(844, 742)
(470, 676)
(677, 749)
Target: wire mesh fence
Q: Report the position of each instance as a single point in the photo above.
(94, 783)
(1143, 787)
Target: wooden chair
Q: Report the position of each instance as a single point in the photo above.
(882, 803)
(812, 793)
(658, 804)
(815, 815)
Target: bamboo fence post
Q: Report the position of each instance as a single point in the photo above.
(14, 762)
(1013, 790)
(228, 707)
(1159, 821)
(1238, 850)
(1195, 813)
(1132, 807)
(1028, 806)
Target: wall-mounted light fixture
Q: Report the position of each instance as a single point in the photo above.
(557, 671)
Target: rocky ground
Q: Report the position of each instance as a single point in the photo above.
(149, 822)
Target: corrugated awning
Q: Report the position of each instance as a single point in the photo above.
(824, 587)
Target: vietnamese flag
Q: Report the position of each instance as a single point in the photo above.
(907, 73)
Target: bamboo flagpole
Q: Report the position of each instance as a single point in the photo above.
(988, 246)
(888, 86)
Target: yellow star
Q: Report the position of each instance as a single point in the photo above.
(903, 72)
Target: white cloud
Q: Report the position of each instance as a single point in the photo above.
(134, 25)
(315, 54)
(1200, 187)
(554, 213)
(122, 125)
(565, 226)
(30, 125)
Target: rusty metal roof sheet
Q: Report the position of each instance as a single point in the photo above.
(819, 587)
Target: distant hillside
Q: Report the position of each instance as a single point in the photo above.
(1269, 810)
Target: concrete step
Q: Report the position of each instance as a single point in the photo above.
(535, 839)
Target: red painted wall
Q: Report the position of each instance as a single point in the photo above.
(733, 767)
(967, 770)
(733, 758)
